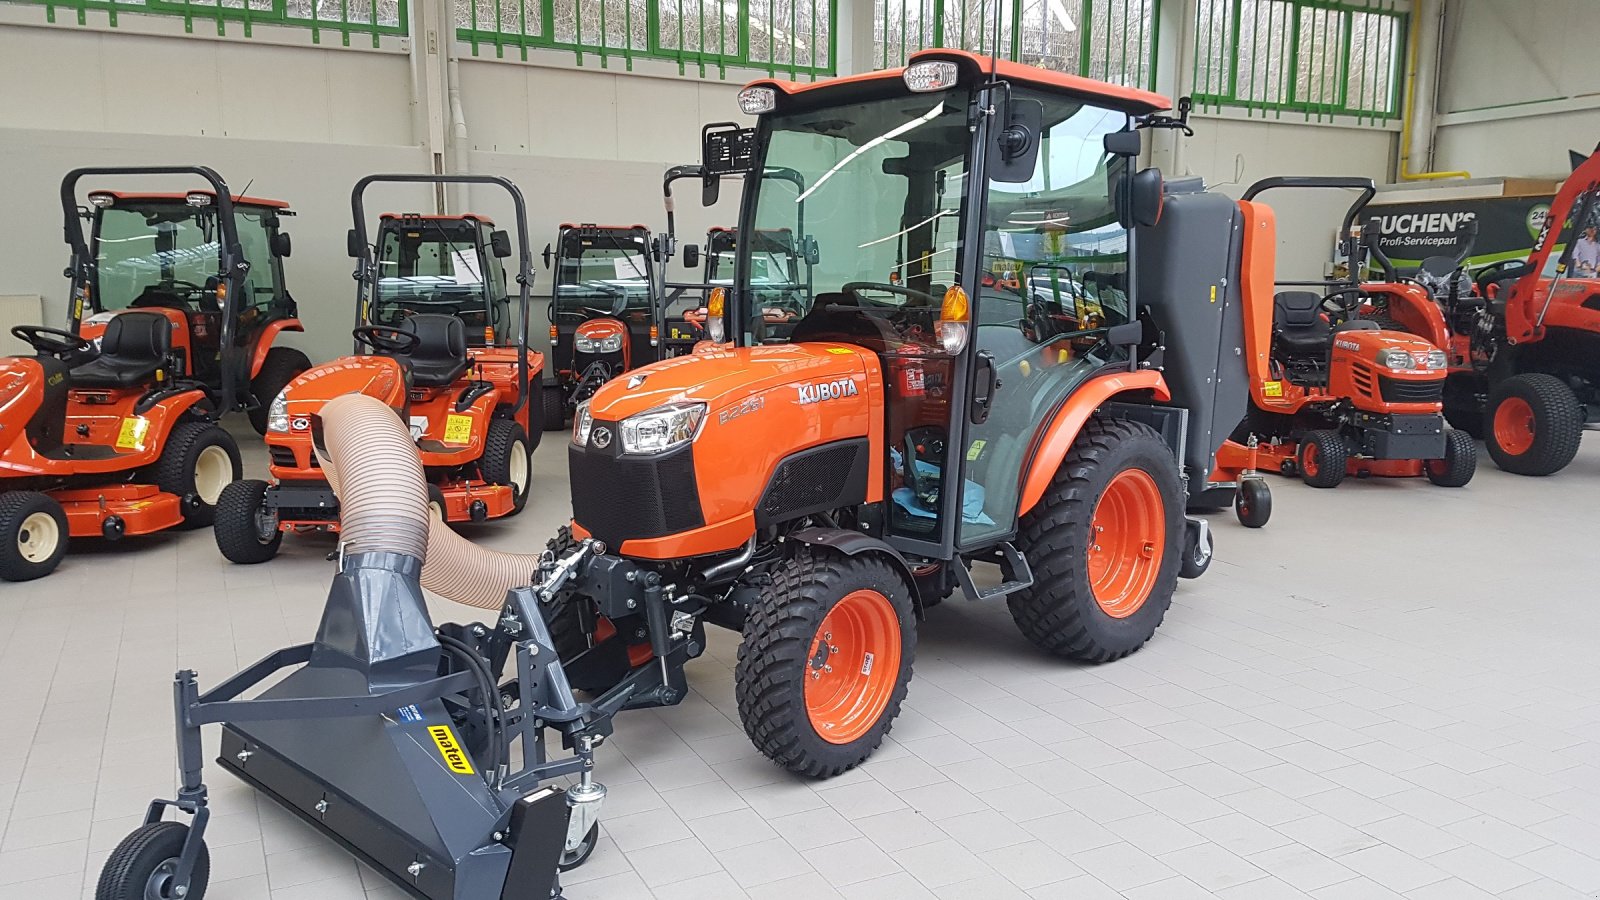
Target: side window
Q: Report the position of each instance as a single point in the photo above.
(261, 287)
(1054, 276)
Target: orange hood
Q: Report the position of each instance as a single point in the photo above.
(722, 378)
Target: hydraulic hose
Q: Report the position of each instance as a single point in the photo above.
(372, 465)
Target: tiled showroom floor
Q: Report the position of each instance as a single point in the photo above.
(1389, 691)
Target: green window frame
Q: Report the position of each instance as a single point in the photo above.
(793, 38)
(1107, 40)
(1321, 58)
(374, 18)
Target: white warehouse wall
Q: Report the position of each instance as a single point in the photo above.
(1518, 87)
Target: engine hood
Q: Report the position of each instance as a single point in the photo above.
(1367, 344)
(375, 376)
(722, 378)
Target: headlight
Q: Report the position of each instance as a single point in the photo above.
(278, 413)
(662, 428)
(1437, 359)
(1395, 359)
(612, 344)
(581, 423)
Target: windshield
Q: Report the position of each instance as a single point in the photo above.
(602, 271)
(881, 199)
(162, 252)
(438, 266)
(1584, 240)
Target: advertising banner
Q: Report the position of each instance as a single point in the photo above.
(1411, 232)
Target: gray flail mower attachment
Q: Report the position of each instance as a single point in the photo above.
(394, 740)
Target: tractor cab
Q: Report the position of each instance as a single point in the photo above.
(433, 268)
(162, 254)
(780, 274)
(602, 309)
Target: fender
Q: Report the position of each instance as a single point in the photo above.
(1063, 428)
(854, 543)
(265, 339)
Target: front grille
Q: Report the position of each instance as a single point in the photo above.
(620, 498)
(282, 457)
(815, 480)
(1361, 377)
(1396, 391)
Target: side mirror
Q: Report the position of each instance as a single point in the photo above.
(281, 245)
(1123, 143)
(353, 245)
(500, 243)
(1015, 147)
(813, 252)
(691, 256)
(546, 256)
(1147, 197)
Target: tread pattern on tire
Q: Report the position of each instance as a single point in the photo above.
(498, 445)
(174, 472)
(1054, 535)
(1330, 466)
(14, 507)
(778, 634)
(1460, 461)
(235, 526)
(555, 409)
(136, 850)
(1560, 417)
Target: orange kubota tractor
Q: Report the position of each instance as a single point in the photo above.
(819, 487)
(1524, 346)
(1334, 394)
(152, 251)
(441, 342)
(602, 311)
(110, 430)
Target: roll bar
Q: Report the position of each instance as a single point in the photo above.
(366, 265)
(232, 267)
(1351, 244)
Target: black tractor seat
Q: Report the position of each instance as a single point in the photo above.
(440, 357)
(133, 348)
(1298, 327)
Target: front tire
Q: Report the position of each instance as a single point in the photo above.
(199, 461)
(33, 535)
(507, 460)
(825, 661)
(282, 365)
(1105, 544)
(1534, 424)
(1322, 458)
(141, 867)
(555, 408)
(246, 532)
(1459, 464)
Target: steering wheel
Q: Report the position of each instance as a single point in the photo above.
(388, 339)
(52, 341)
(1347, 308)
(856, 287)
(1502, 270)
(159, 296)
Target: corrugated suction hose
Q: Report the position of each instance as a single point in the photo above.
(373, 467)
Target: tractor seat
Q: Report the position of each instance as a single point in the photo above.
(441, 353)
(1297, 323)
(134, 346)
(838, 317)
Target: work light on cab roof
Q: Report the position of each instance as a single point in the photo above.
(933, 75)
(753, 101)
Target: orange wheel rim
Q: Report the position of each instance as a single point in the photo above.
(854, 663)
(1128, 536)
(1308, 461)
(1513, 426)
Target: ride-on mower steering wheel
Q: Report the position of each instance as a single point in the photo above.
(856, 287)
(388, 339)
(1347, 308)
(52, 341)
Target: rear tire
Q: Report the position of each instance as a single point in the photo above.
(282, 365)
(1253, 505)
(555, 408)
(1089, 601)
(1533, 425)
(33, 535)
(1459, 464)
(139, 864)
(825, 661)
(507, 460)
(241, 525)
(1322, 458)
(199, 460)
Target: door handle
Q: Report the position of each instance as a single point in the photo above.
(986, 383)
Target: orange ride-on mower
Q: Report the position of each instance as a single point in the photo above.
(442, 344)
(602, 312)
(1333, 394)
(1524, 347)
(821, 490)
(153, 252)
(113, 440)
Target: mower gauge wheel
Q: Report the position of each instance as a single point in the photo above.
(571, 859)
(143, 865)
(1253, 503)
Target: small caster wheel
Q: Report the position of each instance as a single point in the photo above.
(1253, 505)
(143, 866)
(1197, 551)
(571, 859)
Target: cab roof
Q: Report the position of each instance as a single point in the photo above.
(238, 199)
(580, 226)
(464, 217)
(1132, 100)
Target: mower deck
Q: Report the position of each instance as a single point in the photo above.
(140, 509)
(1283, 458)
